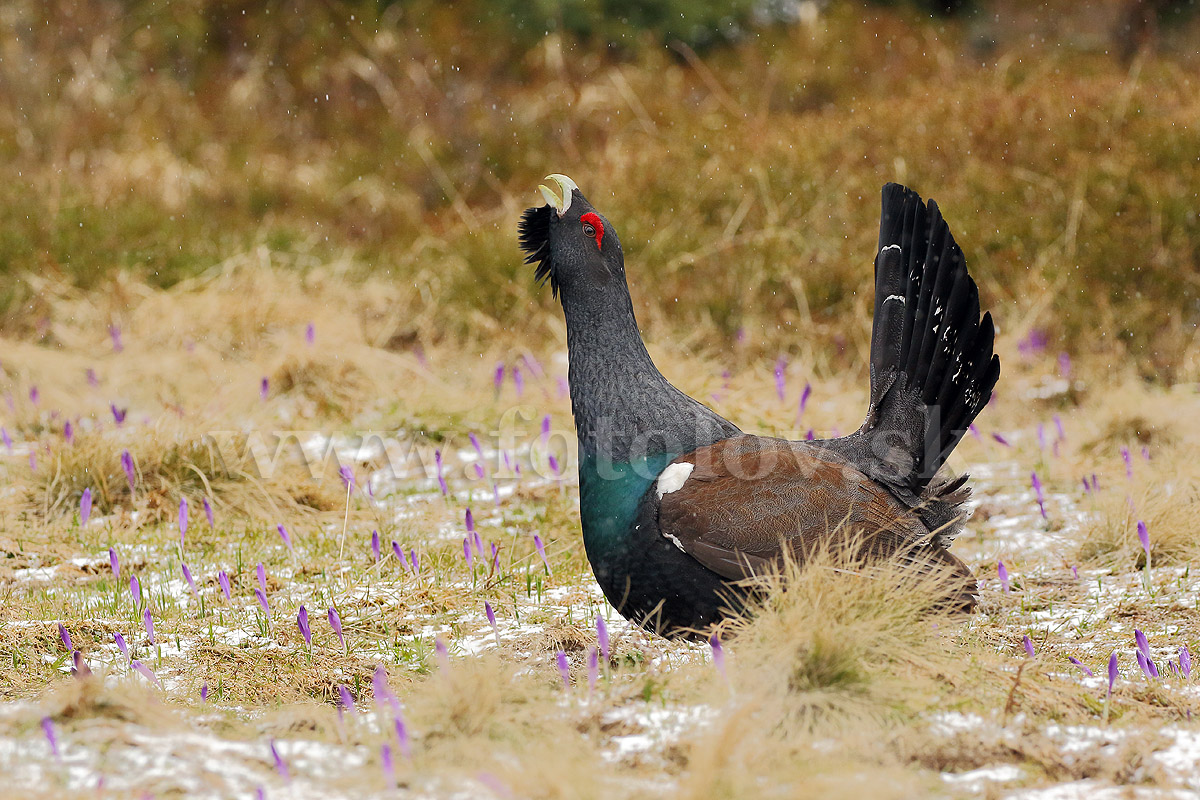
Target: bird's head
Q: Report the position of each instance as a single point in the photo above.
(572, 244)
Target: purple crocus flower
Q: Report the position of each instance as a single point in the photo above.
(553, 466)
(264, 388)
(121, 645)
(534, 366)
(261, 571)
(441, 653)
(68, 432)
(1087, 486)
(1128, 462)
(114, 562)
(518, 380)
(545, 430)
(804, 395)
(283, 534)
(51, 737)
(80, 669)
(118, 414)
(85, 506)
(1146, 665)
(1112, 671)
(495, 557)
(204, 693)
(389, 769)
(467, 554)
(6, 439)
(145, 671)
(183, 519)
(135, 590)
(223, 579)
(1144, 538)
(66, 637)
(1002, 571)
(781, 378)
(1058, 426)
(1025, 640)
(375, 545)
(1185, 661)
(402, 734)
(602, 637)
(475, 443)
(541, 550)
(1081, 666)
(148, 622)
(1001, 439)
(564, 668)
(280, 766)
(437, 459)
(398, 551)
(491, 618)
(498, 377)
(1041, 436)
(347, 475)
(1037, 488)
(208, 512)
(718, 654)
(593, 669)
(33, 395)
(127, 465)
(302, 624)
(1143, 645)
(470, 521)
(335, 622)
(412, 554)
(310, 333)
(383, 692)
(114, 333)
(187, 576)
(261, 596)
(346, 698)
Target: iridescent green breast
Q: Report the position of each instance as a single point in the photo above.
(609, 493)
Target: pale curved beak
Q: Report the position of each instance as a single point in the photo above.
(565, 185)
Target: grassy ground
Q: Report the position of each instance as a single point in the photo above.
(267, 289)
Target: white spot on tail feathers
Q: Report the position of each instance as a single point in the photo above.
(892, 297)
(890, 247)
(675, 541)
(672, 479)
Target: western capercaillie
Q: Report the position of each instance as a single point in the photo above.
(680, 509)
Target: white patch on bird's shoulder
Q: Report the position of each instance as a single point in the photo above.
(673, 477)
(892, 297)
(675, 541)
(890, 247)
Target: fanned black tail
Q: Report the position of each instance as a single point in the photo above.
(932, 365)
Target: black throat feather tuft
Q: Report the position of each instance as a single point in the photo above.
(534, 237)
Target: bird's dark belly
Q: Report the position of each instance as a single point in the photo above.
(656, 585)
(643, 574)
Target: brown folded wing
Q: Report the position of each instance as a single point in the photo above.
(749, 497)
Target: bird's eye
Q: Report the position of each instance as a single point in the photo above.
(589, 230)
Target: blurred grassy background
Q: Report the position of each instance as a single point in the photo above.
(739, 150)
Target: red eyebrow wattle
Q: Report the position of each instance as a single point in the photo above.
(594, 220)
